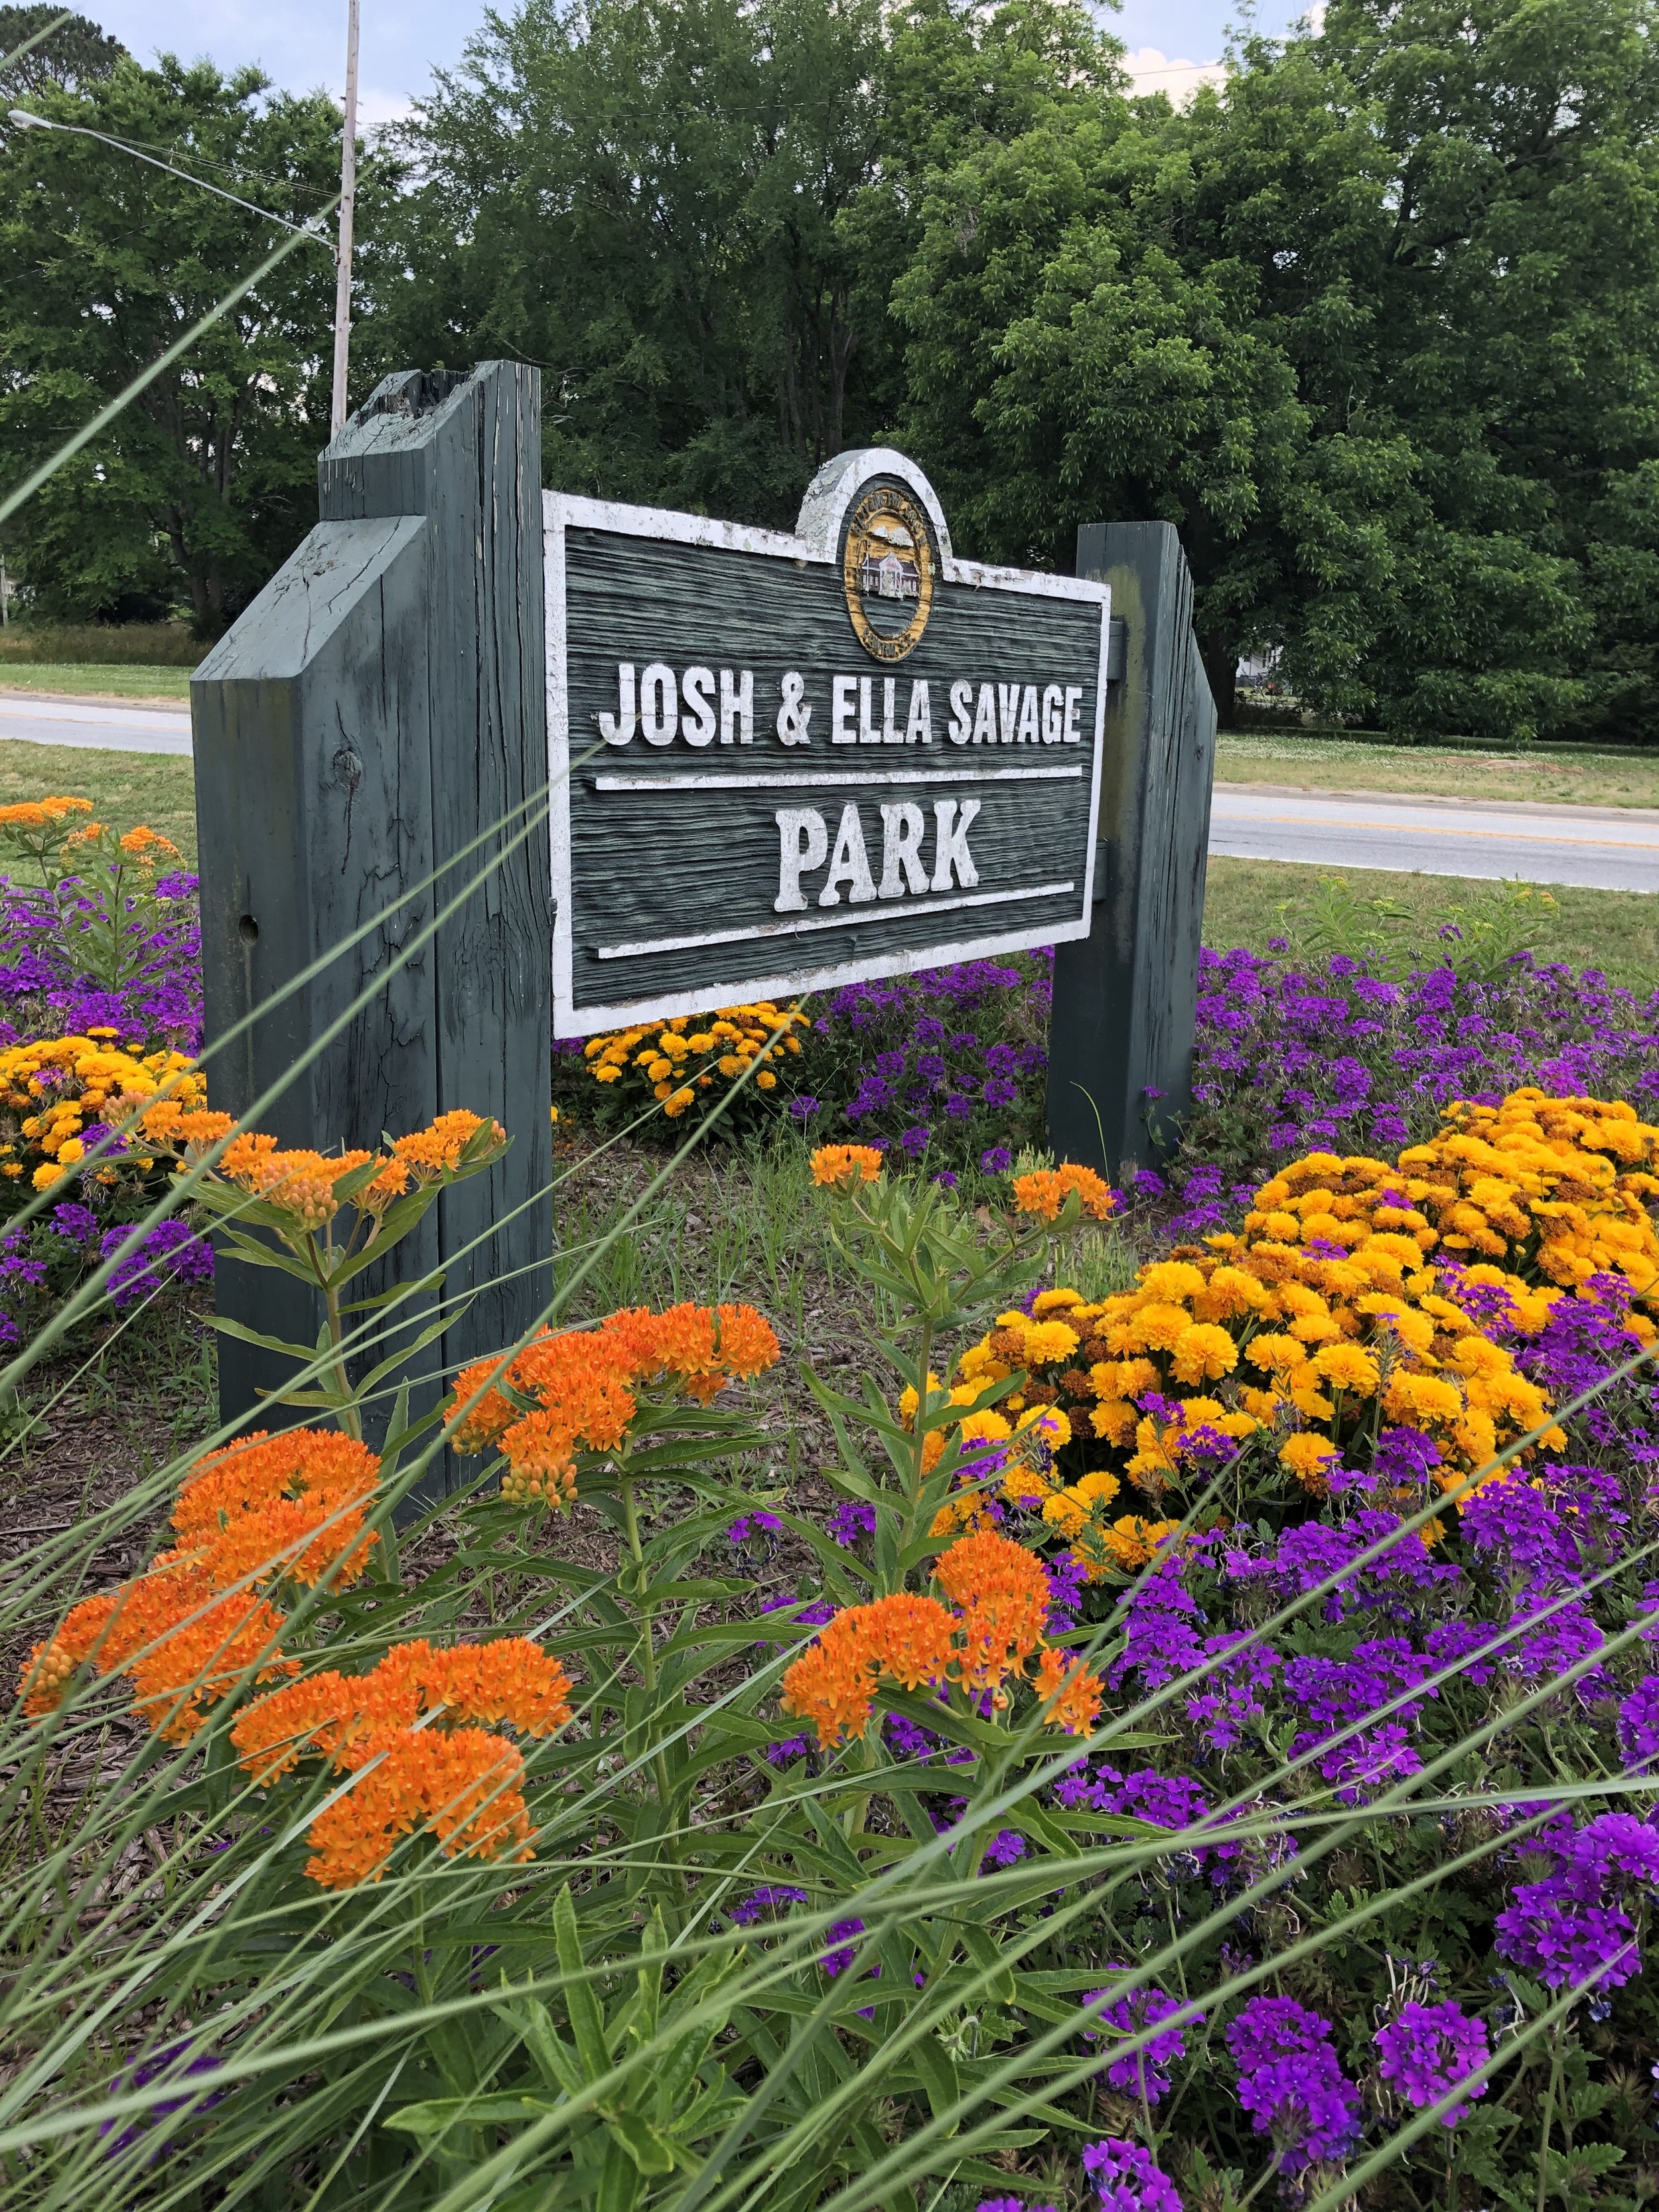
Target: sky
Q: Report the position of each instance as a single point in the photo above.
(301, 43)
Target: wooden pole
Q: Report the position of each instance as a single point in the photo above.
(348, 209)
(381, 705)
(1121, 1049)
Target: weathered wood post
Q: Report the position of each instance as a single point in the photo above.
(1121, 1052)
(381, 705)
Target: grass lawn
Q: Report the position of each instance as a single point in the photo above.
(1247, 902)
(112, 683)
(1571, 775)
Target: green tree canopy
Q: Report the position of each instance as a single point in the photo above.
(207, 482)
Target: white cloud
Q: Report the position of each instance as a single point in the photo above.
(1151, 72)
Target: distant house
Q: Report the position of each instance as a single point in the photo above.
(889, 578)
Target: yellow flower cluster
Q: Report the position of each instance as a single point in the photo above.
(51, 1089)
(692, 1060)
(1551, 1188)
(1335, 1314)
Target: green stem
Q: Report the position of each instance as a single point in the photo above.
(647, 1650)
(1549, 2114)
(351, 1419)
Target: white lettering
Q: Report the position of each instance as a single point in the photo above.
(738, 705)
(868, 733)
(902, 827)
(985, 716)
(697, 691)
(951, 844)
(849, 863)
(960, 725)
(803, 840)
(1074, 702)
(843, 691)
(1028, 716)
(660, 704)
(1008, 705)
(889, 734)
(1052, 720)
(617, 729)
(918, 729)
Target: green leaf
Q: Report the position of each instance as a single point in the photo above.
(644, 2145)
(587, 2020)
(620, 2178)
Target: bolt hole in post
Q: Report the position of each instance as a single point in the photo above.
(248, 930)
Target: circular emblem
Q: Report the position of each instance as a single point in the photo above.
(889, 568)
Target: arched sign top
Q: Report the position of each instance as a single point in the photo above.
(832, 493)
(781, 760)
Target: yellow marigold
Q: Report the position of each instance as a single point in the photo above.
(1347, 1367)
(1203, 1352)
(1070, 1511)
(1308, 1458)
(1279, 1355)
(840, 1166)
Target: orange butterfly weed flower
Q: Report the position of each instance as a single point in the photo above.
(1045, 1190)
(581, 1383)
(149, 847)
(463, 1788)
(41, 813)
(1071, 1695)
(833, 1683)
(182, 1642)
(1004, 1592)
(291, 1503)
(300, 1182)
(436, 1150)
(451, 1777)
(839, 1167)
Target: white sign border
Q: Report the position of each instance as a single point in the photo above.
(816, 541)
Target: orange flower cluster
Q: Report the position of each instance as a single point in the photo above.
(197, 1626)
(150, 849)
(841, 1166)
(1000, 1591)
(576, 1389)
(293, 1503)
(1045, 1190)
(42, 813)
(414, 1721)
(300, 1182)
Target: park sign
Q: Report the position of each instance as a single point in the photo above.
(781, 762)
(777, 761)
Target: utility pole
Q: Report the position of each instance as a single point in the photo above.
(348, 199)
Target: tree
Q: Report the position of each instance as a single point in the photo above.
(645, 196)
(76, 54)
(205, 484)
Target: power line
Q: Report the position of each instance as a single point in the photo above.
(21, 117)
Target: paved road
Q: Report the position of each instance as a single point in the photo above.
(1603, 848)
(146, 726)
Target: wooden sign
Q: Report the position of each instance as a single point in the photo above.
(782, 763)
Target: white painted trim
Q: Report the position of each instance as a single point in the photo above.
(846, 921)
(816, 542)
(669, 781)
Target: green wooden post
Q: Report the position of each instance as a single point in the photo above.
(381, 705)
(1121, 1052)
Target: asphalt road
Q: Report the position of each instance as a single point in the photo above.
(1604, 848)
(145, 727)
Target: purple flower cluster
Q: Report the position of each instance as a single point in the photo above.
(1128, 2178)
(1143, 2072)
(765, 1902)
(46, 991)
(949, 1061)
(171, 1253)
(1577, 1925)
(1428, 2050)
(1342, 1059)
(1290, 2084)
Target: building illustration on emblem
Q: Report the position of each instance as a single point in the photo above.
(888, 569)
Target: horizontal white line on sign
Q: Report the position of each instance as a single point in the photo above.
(827, 921)
(690, 782)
